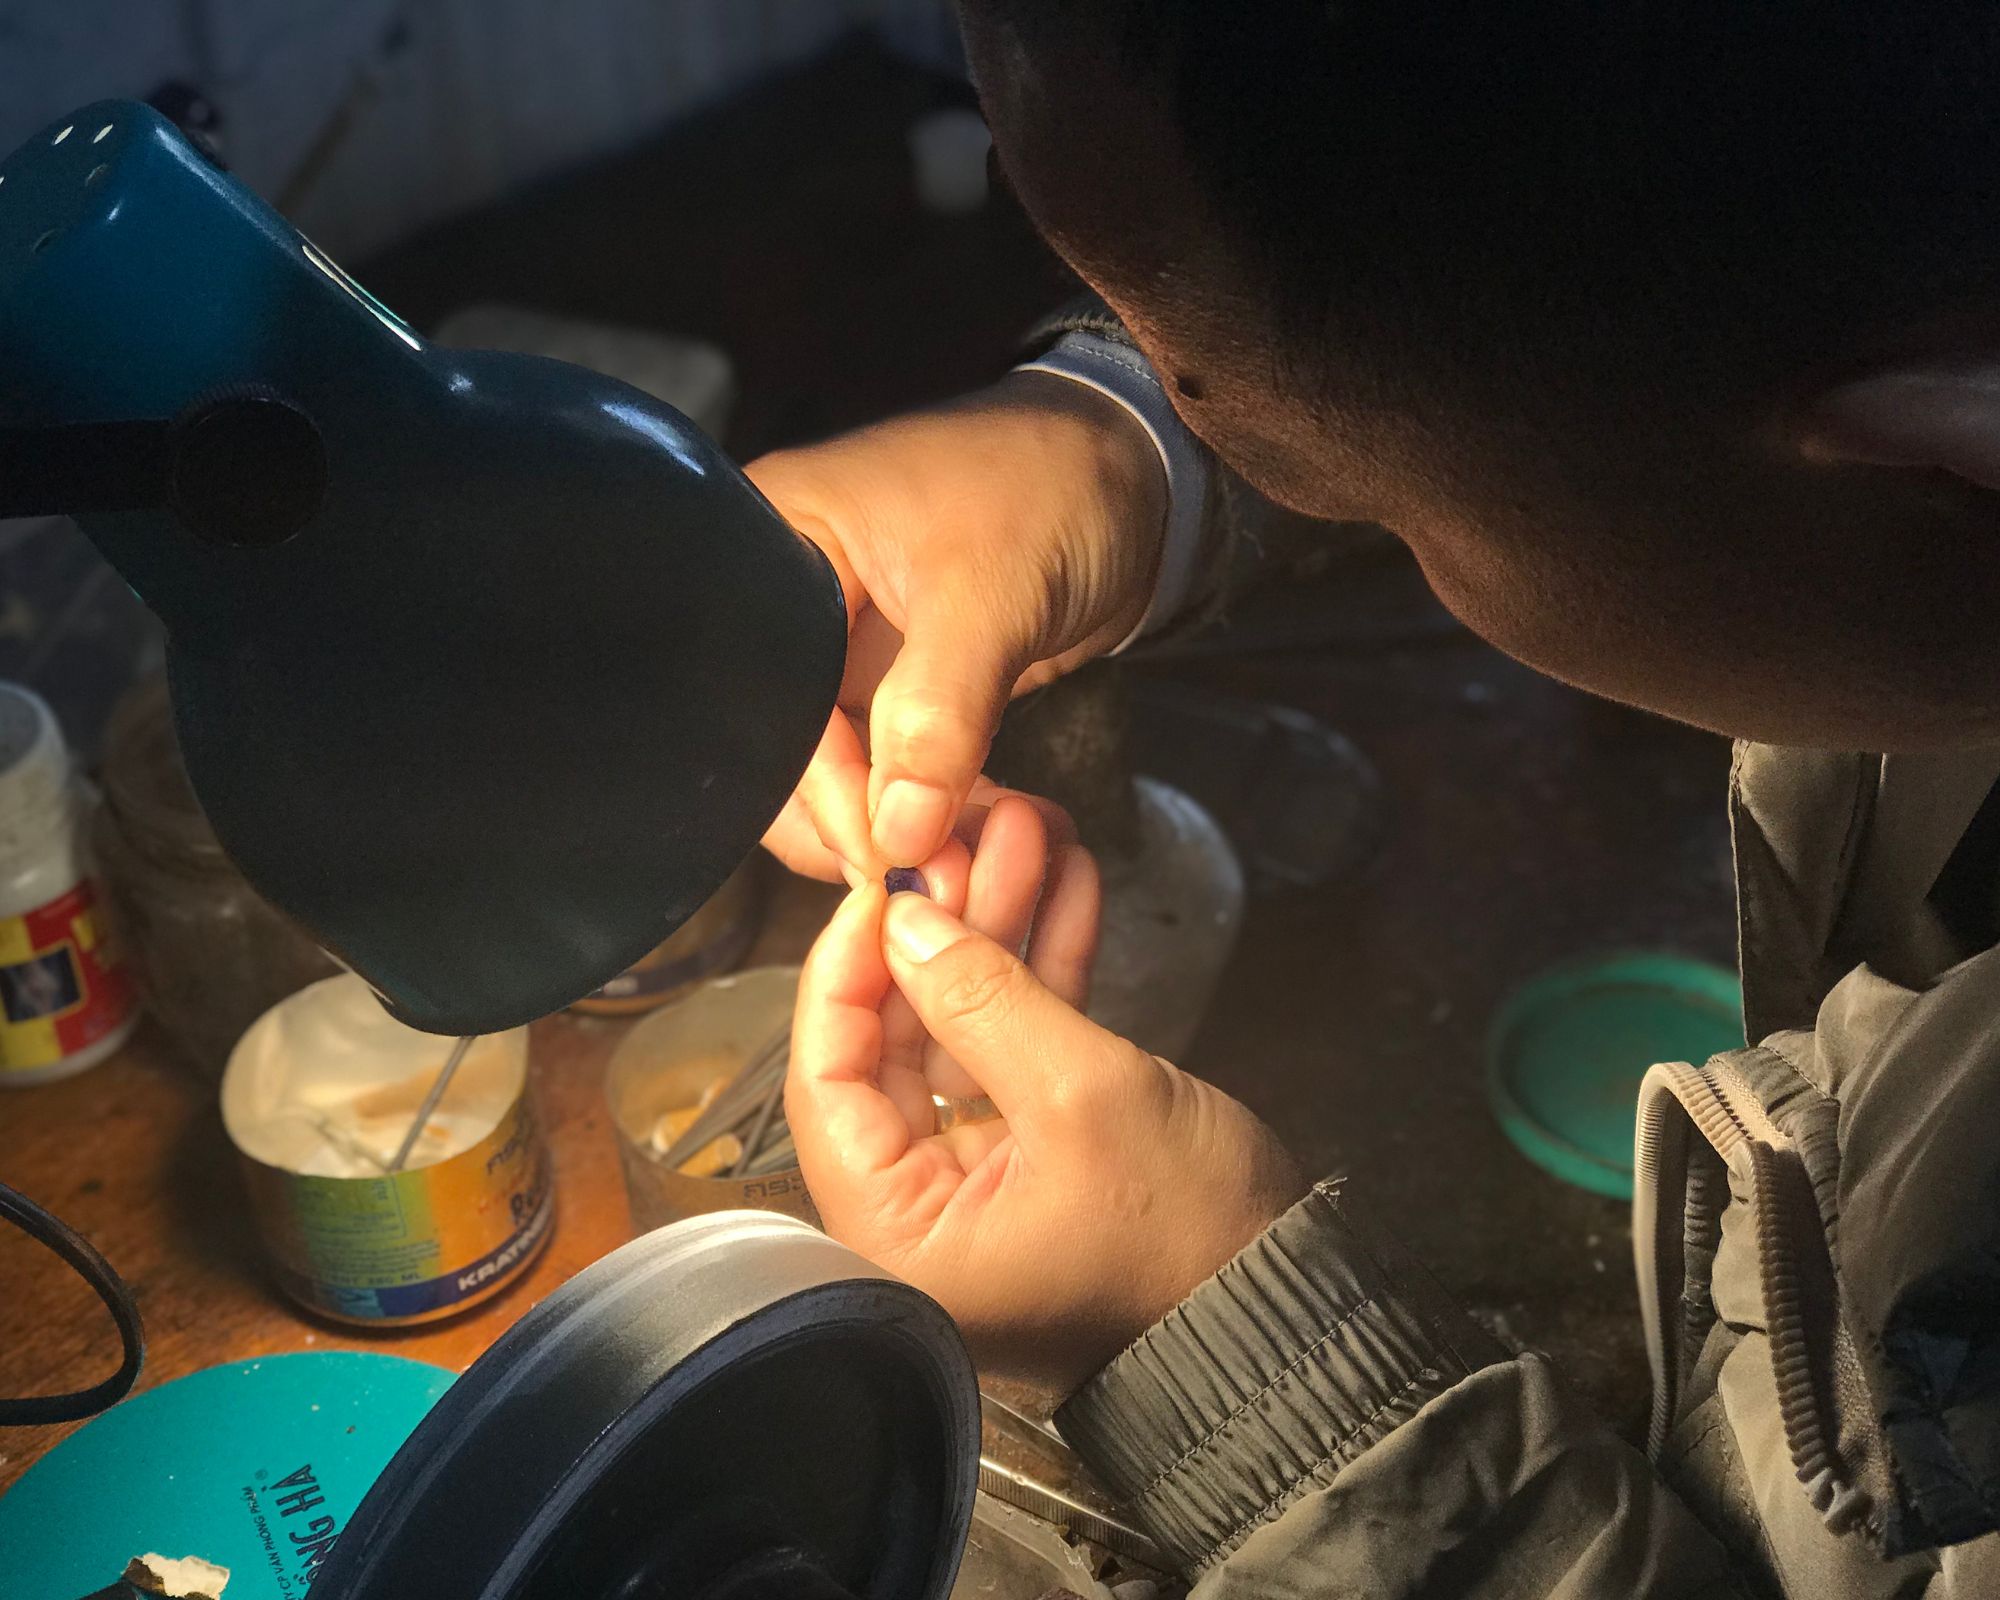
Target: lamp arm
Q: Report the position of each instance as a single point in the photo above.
(79, 468)
(242, 467)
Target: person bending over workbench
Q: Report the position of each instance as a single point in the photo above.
(1668, 337)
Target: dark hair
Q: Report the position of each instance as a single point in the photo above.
(1708, 187)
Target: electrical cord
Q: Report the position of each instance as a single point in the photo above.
(88, 1264)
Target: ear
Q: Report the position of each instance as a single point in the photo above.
(1943, 414)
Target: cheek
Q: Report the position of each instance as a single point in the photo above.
(1278, 474)
(1278, 450)
(1729, 646)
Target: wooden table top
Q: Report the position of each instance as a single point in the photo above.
(133, 1155)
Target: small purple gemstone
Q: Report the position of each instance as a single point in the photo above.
(905, 880)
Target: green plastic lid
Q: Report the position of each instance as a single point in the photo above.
(1568, 1049)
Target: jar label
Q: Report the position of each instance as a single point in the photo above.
(409, 1246)
(62, 987)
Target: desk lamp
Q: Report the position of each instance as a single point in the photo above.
(487, 669)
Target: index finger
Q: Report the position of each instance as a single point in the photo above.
(846, 1127)
(833, 790)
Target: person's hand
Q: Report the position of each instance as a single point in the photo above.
(984, 548)
(1115, 1183)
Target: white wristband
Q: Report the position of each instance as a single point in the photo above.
(1117, 371)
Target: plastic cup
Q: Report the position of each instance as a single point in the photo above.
(948, 157)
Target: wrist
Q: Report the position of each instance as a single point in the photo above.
(1182, 1256)
(1230, 1221)
(1110, 366)
(1096, 442)
(1269, 1379)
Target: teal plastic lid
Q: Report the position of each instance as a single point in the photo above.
(1569, 1048)
(254, 1467)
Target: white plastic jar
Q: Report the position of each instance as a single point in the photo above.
(65, 1003)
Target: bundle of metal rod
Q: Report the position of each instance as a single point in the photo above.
(438, 1086)
(749, 1105)
(777, 1155)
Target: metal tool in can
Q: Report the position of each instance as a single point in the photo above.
(391, 1184)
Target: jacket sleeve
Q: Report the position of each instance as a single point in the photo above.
(1319, 1419)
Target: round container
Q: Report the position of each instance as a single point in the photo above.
(1172, 910)
(713, 940)
(317, 1098)
(253, 1467)
(667, 1063)
(208, 954)
(1569, 1048)
(736, 1406)
(65, 1003)
(948, 160)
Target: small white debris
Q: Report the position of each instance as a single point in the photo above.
(182, 1578)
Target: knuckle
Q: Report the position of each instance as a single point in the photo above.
(930, 727)
(1092, 1087)
(1069, 1093)
(978, 986)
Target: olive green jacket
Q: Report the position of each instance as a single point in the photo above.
(1817, 1233)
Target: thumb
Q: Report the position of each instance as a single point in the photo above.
(1041, 1060)
(933, 716)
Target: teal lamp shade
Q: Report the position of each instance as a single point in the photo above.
(487, 669)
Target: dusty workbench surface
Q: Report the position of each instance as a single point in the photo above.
(132, 1154)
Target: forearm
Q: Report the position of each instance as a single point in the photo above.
(1319, 1418)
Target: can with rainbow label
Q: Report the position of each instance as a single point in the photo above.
(318, 1098)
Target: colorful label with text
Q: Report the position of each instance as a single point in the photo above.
(410, 1246)
(62, 987)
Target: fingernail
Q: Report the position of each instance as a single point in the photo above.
(919, 929)
(910, 819)
(905, 880)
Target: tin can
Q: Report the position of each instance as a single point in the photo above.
(713, 940)
(315, 1097)
(665, 1063)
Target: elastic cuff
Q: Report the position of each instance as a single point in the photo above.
(1264, 1383)
(1116, 370)
(1085, 313)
